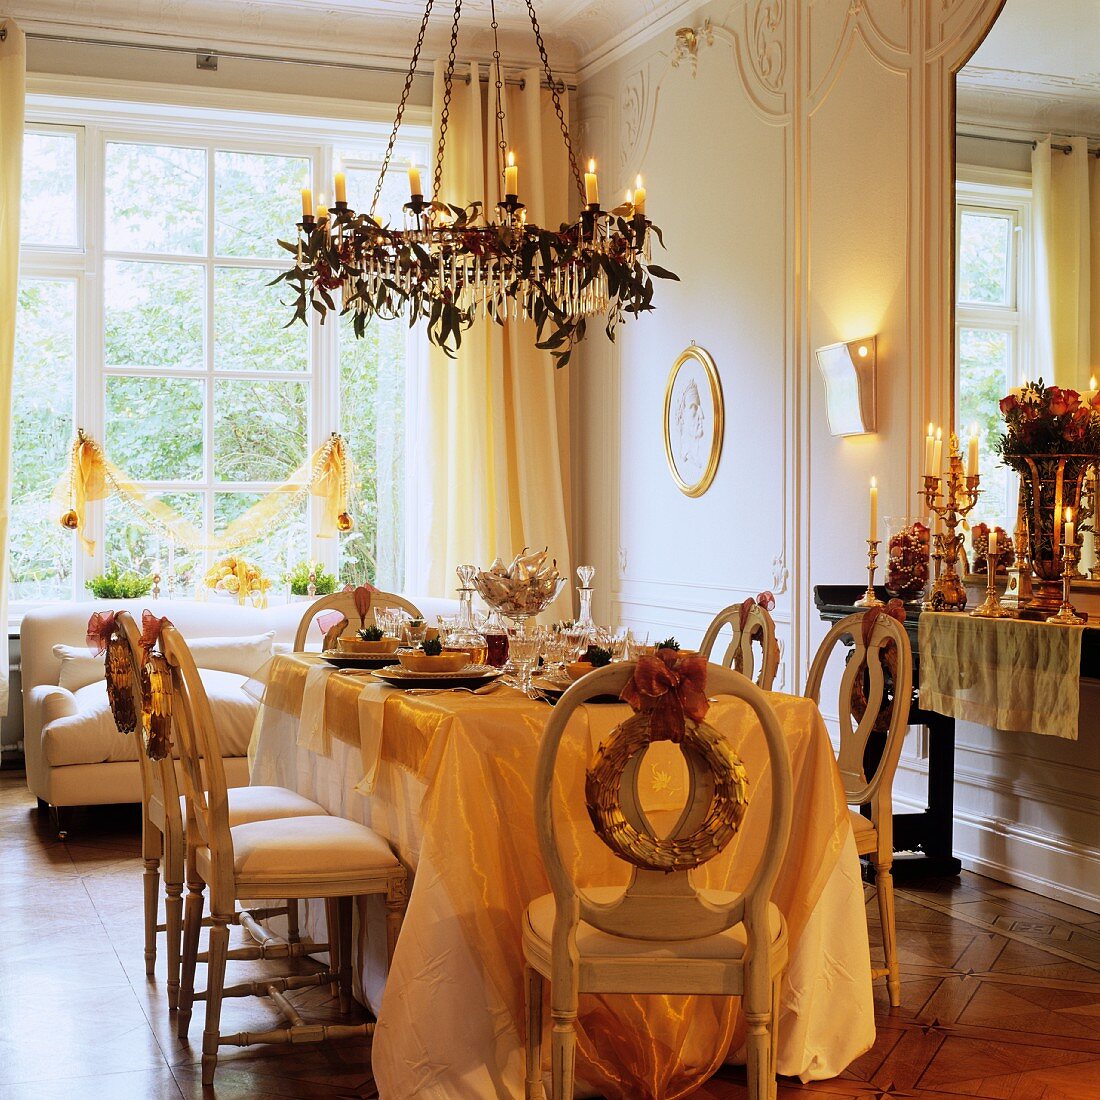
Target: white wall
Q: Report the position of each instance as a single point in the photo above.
(803, 179)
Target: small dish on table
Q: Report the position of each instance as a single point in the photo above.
(343, 660)
(468, 676)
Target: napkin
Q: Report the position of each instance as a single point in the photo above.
(372, 706)
(312, 734)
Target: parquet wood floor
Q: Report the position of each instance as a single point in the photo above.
(1001, 991)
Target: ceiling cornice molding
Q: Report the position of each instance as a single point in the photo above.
(625, 30)
(1031, 103)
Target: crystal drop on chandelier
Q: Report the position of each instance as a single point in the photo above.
(450, 265)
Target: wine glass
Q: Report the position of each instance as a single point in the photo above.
(523, 652)
(415, 632)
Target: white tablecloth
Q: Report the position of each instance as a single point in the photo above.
(443, 1034)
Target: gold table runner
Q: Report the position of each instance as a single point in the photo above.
(476, 755)
(1011, 674)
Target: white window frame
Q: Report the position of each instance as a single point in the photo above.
(242, 128)
(1000, 191)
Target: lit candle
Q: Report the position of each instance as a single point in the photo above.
(639, 196)
(591, 186)
(972, 452)
(307, 202)
(874, 509)
(993, 549)
(629, 200)
(341, 187)
(414, 181)
(929, 444)
(1069, 527)
(511, 176)
(1091, 395)
(937, 453)
(322, 209)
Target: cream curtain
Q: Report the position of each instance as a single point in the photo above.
(1066, 190)
(497, 418)
(13, 69)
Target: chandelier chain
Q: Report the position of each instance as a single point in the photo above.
(502, 140)
(445, 111)
(401, 107)
(556, 97)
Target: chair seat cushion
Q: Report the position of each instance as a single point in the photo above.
(265, 804)
(91, 737)
(318, 847)
(591, 942)
(865, 834)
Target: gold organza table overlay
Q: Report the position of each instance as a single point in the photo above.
(473, 759)
(1008, 674)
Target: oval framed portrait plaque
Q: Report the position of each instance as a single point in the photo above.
(694, 421)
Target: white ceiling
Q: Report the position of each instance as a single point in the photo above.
(576, 31)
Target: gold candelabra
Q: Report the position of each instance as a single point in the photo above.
(1066, 615)
(992, 608)
(948, 593)
(869, 599)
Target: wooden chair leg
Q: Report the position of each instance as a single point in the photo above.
(563, 1052)
(192, 925)
(332, 928)
(758, 1039)
(173, 923)
(773, 1056)
(532, 986)
(397, 900)
(344, 916)
(293, 932)
(215, 982)
(884, 890)
(151, 883)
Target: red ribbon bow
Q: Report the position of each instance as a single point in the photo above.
(765, 600)
(669, 687)
(100, 627)
(895, 609)
(151, 626)
(362, 597)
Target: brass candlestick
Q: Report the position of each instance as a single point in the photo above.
(992, 608)
(156, 586)
(869, 599)
(1067, 616)
(948, 593)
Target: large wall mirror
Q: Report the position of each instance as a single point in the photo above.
(1027, 216)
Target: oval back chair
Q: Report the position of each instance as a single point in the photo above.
(870, 705)
(626, 933)
(752, 627)
(314, 856)
(344, 602)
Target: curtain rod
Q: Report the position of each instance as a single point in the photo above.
(209, 58)
(1067, 149)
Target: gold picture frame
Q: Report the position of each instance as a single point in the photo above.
(694, 409)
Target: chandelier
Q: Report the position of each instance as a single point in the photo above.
(451, 264)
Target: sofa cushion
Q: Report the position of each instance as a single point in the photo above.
(244, 656)
(91, 737)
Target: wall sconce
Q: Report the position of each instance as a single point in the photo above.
(849, 373)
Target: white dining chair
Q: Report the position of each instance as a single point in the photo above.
(344, 603)
(162, 834)
(299, 857)
(750, 628)
(869, 705)
(659, 934)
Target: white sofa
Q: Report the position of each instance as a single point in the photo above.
(74, 754)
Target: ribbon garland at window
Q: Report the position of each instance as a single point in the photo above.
(92, 476)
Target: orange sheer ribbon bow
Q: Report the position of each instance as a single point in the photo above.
(151, 626)
(765, 600)
(669, 687)
(362, 597)
(895, 609)
(100, 627)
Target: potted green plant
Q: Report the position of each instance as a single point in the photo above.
(324, 582)
(116, 583)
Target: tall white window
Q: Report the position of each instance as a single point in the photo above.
(992, 318)
(149, 241)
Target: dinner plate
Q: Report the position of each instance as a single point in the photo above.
(472, 676)
(553, 687)
(359, 660)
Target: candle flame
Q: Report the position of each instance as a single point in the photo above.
(629, 197)
(511, 159)
(592, 164)
(931, 429)
(874, 482)
(973, 429)
(939, 433)
(1092, 381)
(1069, 515)
(638, 181)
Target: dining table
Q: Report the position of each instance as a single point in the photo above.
(447, 779)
